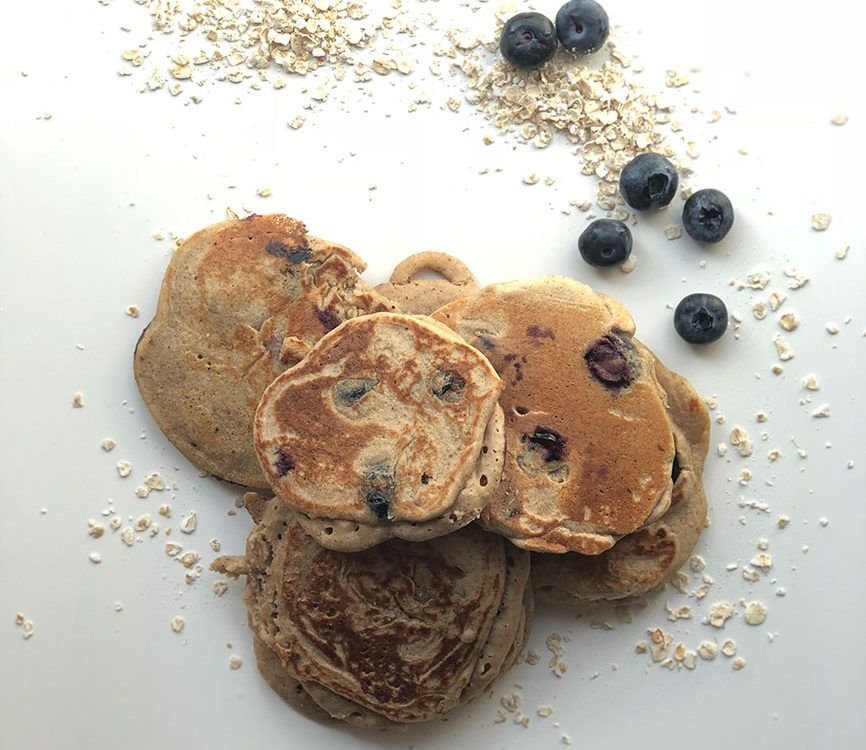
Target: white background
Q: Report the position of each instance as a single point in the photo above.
(81, 196)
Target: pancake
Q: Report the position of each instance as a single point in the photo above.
(644, 560)
(241, 301)
(419, 295)
(400, 633)
(589, 447)
(382, 425)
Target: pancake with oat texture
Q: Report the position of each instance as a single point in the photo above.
(390, 427)
(645, 559)
(400, 633)
(589, 446)
(241, 301)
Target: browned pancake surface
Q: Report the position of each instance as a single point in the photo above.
(589, 446)
(382, 422)
(240, 302)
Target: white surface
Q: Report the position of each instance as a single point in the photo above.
(82, 195)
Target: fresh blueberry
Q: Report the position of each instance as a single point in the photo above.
(605, 242)
(708, 215)
(528, 40)
(648, 181)
(701, 318)
(582, 26)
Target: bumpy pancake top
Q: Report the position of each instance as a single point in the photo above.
(382, 422)
(643, 560)
(240, 302)
(397, 629)
(589, 447)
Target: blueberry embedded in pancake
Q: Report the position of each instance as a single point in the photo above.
(589, 447)
(241, 301)
(385, 422)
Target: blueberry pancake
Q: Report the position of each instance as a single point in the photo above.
(417, 294)
(589, 446)
(645, 559)
(403, 632)
(388, 427)
(241, 301)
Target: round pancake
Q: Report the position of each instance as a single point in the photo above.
(405, 631)
(589, 447)
(644, 560)
(422, 296)
(240, 302)
(351, 536)
(382, 423)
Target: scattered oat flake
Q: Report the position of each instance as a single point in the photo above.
(95, 558)
(544, 711)
(127, 536)
(189, 522)
(842, 252)
(832, 328)
(177, 624)
(629, 264)
(219, 587)
(530, 179)
(820, 221)
(783, 348)
(839, 119)
(188, 559)
(173, 549)
(124, 468)
(783, 521)
(96, 530)
(108, 444)
(707, 650)
(78, 400)
(811, 382)
(822, 411)
(674, 232)
(764, 560)
(264, 192)
(738, 663)
(154, 482)
(740, 439)
(720, 613)
(755, 613)
(235, 661)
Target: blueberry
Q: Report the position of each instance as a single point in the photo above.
(605, 242)
(447, 385)
(582, 26)
(701, 318)
(612, 362)
(648, 181)
(708, 215)
(528, 40)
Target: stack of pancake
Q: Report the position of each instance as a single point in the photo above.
(416, 449)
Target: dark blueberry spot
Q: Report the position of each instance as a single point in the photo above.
(350, 392)
(708, 215)
(675, 468)
(605, 242)
(447, 385)
(582, 26)
(550, 441)
(528, 40)
(425, 478)
(292, 254)
(701, 318)
(540, 332)
(486, 343)
(510, 357)
(611, 361)
(379, 487)
(648, 181)
(284, 462)
(328, 318)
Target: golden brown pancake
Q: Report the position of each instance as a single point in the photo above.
(403, 632)
(589, 448)
(241, 301)
(644, 560)
(382, 425)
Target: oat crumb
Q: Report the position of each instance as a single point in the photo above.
(124, 468)
(235, 661)
(729, 647)
(177, 624)
(820, 221)
(755, 613)
(189, 522)
(738, 663)
(108, 444)
(219, 587)
(132, 311)
(822, 411)
(544, 711)
(720, 613)
(629, 264)
(95, 558)
(839, 119)
(78, 400)
(674, 232)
